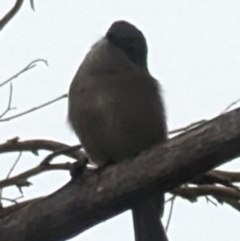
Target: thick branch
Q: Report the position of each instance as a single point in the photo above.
(4, 21)
(83, 203)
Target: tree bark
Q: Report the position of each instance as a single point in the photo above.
(86, 201)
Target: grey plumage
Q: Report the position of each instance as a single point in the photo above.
(116, 108)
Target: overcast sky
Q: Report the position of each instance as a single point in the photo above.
(194, 51)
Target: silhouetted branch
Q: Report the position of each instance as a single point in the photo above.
(6, 19)
(188, 127)
(21, 179)
(91, 199)
(231, 176)
(14, 145)
(32, 5)
(9, 173)
(195, 124)
(170, 212)
(9, 106)
(63, 151)
(28, 67)
(34, 109)
(231, 105)
(220, 193)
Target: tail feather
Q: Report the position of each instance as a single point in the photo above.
(146, 218)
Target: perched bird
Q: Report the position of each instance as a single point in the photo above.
(116, 110)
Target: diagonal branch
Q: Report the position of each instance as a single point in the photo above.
(31, 65)
(21, 179)
(6, 19)
(34, 108)
(82, 203)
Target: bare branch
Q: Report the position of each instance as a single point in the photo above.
(34, 108)
(28, 67)
(32, 5)
(14, 165)
(34, 146)
(6, 19)
(21, 179)
(195, 124)
(51, 156)
(230, 105)
(170, 213)
(81, 204)
(186, 128)
(220, 193)
(15, 200)
(9, 103)
(209, 200)
(11, 170)
(231, 176)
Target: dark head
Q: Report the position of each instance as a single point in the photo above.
(128, 38)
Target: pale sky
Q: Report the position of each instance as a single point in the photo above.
(194, 51)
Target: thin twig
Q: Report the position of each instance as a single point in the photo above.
(12, 200)
(9, 103)
(64, 150)
(14, 145)
(9, 173)
(28, 67)
(230, 105)
(9, 200)
(220, 193)
(170, 213)
(14, 165)
(209, 200)
(32, 5)
(20, 179)
(195, 124)
(170, 199)
(6, 19)
(186, 128)
(34, 108)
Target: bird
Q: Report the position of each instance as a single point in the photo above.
(116, 109)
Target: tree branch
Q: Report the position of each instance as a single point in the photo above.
(21, 179)
(220, 193)
(31, 65)
(34, 108)
(6, 19)
(85, 202)
(14, 145)
(9, 106)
